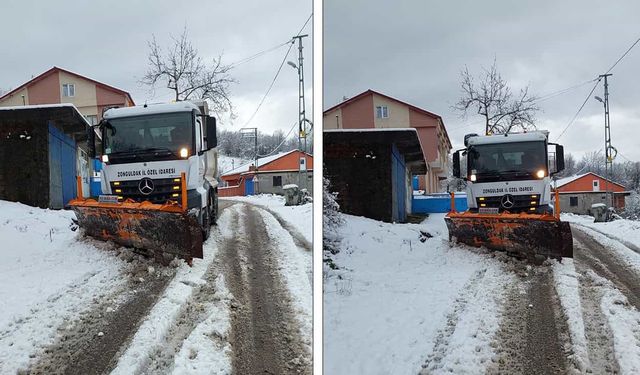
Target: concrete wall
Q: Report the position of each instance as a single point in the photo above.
(333, 119)
(15, 99)
(46, 90)
(265, 182)
(398, 113)
(363, 184)
(585, 200)
(24, 168)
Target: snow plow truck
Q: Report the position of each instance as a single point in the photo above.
(509, 196)
(159, 191)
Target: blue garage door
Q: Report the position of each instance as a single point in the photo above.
(248, 186)
(62, 168)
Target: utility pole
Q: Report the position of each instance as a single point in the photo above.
(302, 125)
(607, 138)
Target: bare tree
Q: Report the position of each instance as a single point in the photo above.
(491, 98)
(187, 74)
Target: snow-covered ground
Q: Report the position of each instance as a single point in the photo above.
(300, 217)
(227, 163)
(622, 230)
(48, 275)
(397, 301)
(51, 277)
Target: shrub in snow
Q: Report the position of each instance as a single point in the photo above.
(632, 207)
(331, 221)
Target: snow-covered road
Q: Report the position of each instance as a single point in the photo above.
(76, 305)
(400, 305)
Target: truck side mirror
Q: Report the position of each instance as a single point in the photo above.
(456, 164)
(559, 158)
(211, 135)
(91, 142)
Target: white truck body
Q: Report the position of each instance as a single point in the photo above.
(200, 166)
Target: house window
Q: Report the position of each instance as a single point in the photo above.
(382, 111)
(69, 89)
(596, 185)
(277, 181)
(573, 201)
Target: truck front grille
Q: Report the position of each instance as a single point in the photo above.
(521, 203)
(164, 189)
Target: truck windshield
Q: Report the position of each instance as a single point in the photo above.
(167, 131)
(492, 159)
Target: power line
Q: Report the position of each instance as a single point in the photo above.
(563, 91)
(623, 55)
(253, 57)
(277, 73)
(281, 143)
(579, 110)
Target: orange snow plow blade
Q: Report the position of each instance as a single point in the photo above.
(158, 228)
(532, 236)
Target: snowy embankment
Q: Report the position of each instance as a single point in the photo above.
(299, 217)
(623, 230)
(397, 302)
(49, 274)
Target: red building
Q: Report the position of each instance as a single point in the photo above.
(578, 193)
(270, 175)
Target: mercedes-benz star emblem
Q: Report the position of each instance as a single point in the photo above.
(145, 186)
(507, 201)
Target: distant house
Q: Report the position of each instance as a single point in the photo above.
(578, 193)
(42, 150)
(371, 169)
(89, 97)
(58, 85)
(373, 110)
(269, 175)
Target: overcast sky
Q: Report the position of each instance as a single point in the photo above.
(107, 41)
(414, 51)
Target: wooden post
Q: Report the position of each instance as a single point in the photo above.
(557, 205)
(453, 202)
(183, 181)
(79, 194)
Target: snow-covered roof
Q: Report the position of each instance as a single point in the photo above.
(369, 130)
(508, 138)
(261, 162)
(41, 106)
(565, 180)
(150, 109)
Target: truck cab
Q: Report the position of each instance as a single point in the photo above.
(146, 149)
(508, 172)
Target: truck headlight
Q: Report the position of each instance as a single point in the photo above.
(105, 158)
(184, 152)
(473, 178)
(540, 173)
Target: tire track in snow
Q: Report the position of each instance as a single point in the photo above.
(606, 264)
(265, 334)
(599, 336)
(441, 346)
(533, 337)
(91, 343)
